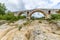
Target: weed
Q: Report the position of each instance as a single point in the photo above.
(19, 28)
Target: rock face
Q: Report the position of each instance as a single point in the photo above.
(33, 31)
(44, 35)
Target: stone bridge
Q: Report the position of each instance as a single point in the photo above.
(45, 12)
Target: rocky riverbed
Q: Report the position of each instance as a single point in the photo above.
(36, 30)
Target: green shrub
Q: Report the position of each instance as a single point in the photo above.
(19, 28)
(10, 17)
(32, 18)
(27, 22)
(55, 16)
(40, 21)
(21, 17)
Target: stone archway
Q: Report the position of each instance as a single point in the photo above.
(20, 13)
(45, 14)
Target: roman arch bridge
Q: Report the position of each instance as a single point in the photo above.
(45, 12)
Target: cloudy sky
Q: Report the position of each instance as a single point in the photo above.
(15, 5)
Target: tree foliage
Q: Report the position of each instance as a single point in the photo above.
(2, 8)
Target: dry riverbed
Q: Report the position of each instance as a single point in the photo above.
(35, 30)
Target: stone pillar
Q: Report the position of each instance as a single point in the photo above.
(28, 15)
(47, 16)
(49, 12)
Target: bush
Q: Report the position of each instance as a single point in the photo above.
(21, 17)
(32, 18)
(40, 21)
(55, 16)
(10, 17)
(19, 28)
(27, 22)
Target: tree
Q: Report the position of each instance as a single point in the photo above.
(2, 9)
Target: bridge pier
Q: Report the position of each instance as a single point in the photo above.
(49, 12)
(47, 17)
(27, 16)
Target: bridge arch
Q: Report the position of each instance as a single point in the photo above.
(20, 13)
(45, 14)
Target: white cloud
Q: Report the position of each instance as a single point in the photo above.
(13, 1)
(41, 3)
(15, 5)
(37, 4)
